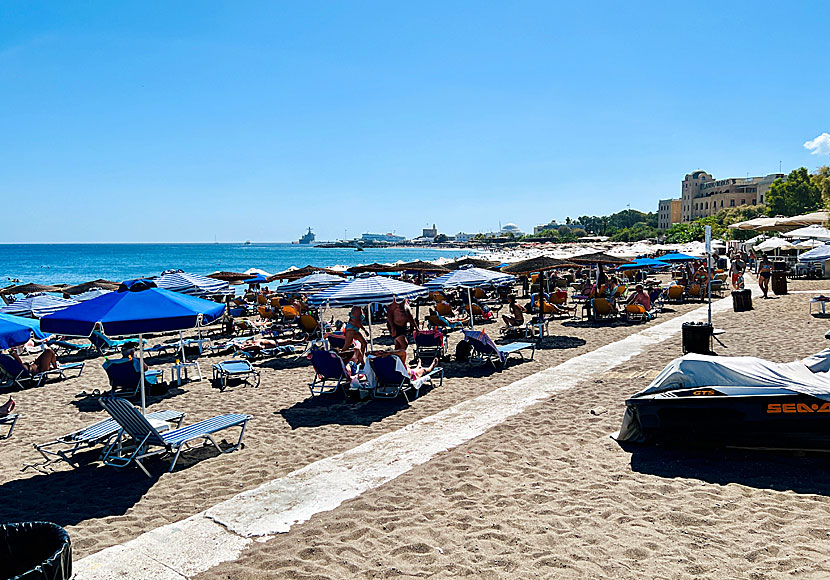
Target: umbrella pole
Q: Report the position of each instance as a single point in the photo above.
(470, 297)
(371, 341)
(541, 304)
(141, 363)
(181, 345)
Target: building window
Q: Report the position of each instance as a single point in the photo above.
(743, 202)
(721, 203)
(731, 203)
(754, 202)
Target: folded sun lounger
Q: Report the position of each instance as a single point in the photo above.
(150, 442)
(487, 351)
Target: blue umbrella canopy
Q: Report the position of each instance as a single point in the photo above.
(469, 278)
(192, 284)
(367, 290)
(677, 257)
(136, 308)
(312, 283)
(15, 330)
(37, 306)
(256, 279)
(643, 263)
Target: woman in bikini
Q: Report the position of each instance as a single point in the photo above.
(764, 275)
(356, 323)
(44, 362)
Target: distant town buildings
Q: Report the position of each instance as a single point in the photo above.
(702, 195)
(462, 237)
(509, 228)
(551, 225)
(430, 232)
(668, 213)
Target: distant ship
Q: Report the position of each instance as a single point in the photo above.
(307, 237)
(247, 242)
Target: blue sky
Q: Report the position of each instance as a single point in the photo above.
(181, 121)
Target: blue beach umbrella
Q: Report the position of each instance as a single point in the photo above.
(311, 283)
(137, 307)
(15, 330)
(469, 277)
(256, 279)
(37, 306)
(643, 263)
(367, 290)
(677, 257)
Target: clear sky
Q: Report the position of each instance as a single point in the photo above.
(181, 121)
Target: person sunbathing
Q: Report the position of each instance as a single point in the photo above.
(257, 344)
(516, 316)
(416, 372)
(353, 327)
(46, 361)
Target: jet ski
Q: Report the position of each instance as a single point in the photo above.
(734, 401)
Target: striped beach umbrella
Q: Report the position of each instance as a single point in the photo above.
(311, 284)
(470, 277)
(368, 290)
(191, 284)
(37, 306)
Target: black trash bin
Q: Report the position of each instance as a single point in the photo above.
(779, 282)
(34, 551)
(697, 337)
(741, 300)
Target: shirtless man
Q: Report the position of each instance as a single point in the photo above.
(516, 317)
(398, 317)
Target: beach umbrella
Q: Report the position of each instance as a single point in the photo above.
(365, 291)
(470, 277)
(764, 224)
(296, 273)
(15, 330)
(774, 244)
(474, 262)
(816, 255)
(90, 294)
(808, 244)
(230, 277)
(814, 218)
(258, 279)
(644, 263)
(538, 264)
(376, 268)
(137, 307)
(191, 284)
(37, 305)
(311, 283)
(677, 257)
(30, 289)
(419, 266)
(813, 232)
(91, 285)
(598, 258)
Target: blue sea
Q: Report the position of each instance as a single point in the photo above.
(76, 263)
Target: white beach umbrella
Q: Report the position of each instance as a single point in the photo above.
(813, 232)
(37, 305)
(774, 245)
(191, 284)
(311, 283)
(470, 278)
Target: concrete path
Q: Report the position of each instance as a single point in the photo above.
(183, 549)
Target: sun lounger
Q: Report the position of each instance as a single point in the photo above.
(63, 448)
(235, 369)
(330, 373)
(391, 378)
(106, 345)
(125, 373)
(149, 442)
(17, 374)
(8, 421)
(430, 344)
(486, 351)
(66, 348)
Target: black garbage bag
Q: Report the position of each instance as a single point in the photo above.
(34, 551)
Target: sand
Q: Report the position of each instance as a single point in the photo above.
(547, 493)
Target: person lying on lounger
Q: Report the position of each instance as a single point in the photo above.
(257, 344)
(46, 361)
(416, 372)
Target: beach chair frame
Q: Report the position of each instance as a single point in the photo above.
(151, 376)
(23, 379)
(325, 381)
(484, 353)
(146, 437)
(424, 351)
(391, 383)
(9, 421)
(104, 433)
(222, 374)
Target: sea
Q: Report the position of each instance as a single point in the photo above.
(76, 263)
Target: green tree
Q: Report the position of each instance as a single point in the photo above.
(821, 178)
(798, 194)
(441, 239)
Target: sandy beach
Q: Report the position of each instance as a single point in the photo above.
(545, 494)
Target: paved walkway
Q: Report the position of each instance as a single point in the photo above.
(183, 549)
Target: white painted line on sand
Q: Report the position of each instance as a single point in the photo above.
(183, 549)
